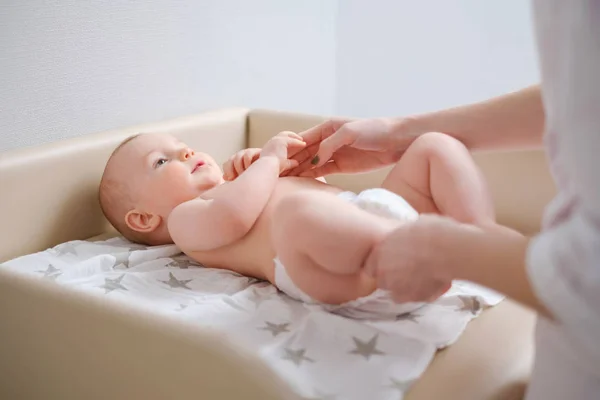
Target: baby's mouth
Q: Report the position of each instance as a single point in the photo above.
(198, 165)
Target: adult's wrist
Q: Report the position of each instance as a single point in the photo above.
(405, 128)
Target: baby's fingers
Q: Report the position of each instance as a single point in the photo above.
(228, 172)
(238, 163)
(249, 158)
(291, 135)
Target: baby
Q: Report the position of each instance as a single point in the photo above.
(306, 237)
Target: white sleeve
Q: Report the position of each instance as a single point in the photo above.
(564, 260)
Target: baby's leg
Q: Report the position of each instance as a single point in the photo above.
(437, 174)
(323, 241)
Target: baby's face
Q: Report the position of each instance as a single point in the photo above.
(163, 172)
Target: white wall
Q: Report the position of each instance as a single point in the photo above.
(397, 57)
(70, 68)
(73, 67)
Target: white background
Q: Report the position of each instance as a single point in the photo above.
(69, 68)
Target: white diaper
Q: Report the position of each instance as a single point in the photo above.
(378, 304)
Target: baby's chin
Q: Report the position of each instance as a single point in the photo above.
(212, 183)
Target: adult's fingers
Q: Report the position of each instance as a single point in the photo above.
(330, 145)
(320, 132)
(426, 291)
(439, 290)
(303, 157)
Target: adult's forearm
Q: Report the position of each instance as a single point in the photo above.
(496, 259)
(514, 120)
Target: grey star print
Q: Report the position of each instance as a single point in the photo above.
(407, 317)
(182, 262)
(471, 304)
(366, 349)
(51, 272)
(177, 283)
(296, 356)
(275, 329)
(113, 284)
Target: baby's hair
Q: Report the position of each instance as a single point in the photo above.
(123, 143)
(115, 201)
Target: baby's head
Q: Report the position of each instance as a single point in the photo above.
(146, 177)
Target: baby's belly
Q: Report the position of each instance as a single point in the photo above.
(253, 254)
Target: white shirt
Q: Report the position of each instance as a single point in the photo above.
(564, 259)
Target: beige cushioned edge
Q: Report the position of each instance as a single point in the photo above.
(49, 192)
(493, 357)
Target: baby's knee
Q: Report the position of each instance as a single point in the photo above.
(438, 144)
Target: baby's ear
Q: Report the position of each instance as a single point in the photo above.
(140, 221)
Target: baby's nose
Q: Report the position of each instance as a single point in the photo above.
(187, 153)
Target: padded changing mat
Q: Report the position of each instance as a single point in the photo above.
(321, 355)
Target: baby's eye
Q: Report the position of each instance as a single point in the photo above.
(160, 162)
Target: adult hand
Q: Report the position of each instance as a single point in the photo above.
(418, 261)
(345, 146)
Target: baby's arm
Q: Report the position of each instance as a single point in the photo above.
(204, 224)
(232, 209)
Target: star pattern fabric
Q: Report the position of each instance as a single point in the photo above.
(113, 284)
(297, 356)
(470, 304)
(412, 317)
(275, 329)
(122, 260)
(323, 356)
(177, 283)
(182, 262)
(51, 272)
(65, 249)
(256, 297)
(366, 349)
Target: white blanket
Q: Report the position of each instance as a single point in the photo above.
(321, 355)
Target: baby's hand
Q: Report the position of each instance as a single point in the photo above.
(284, 146)
(239, 162)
